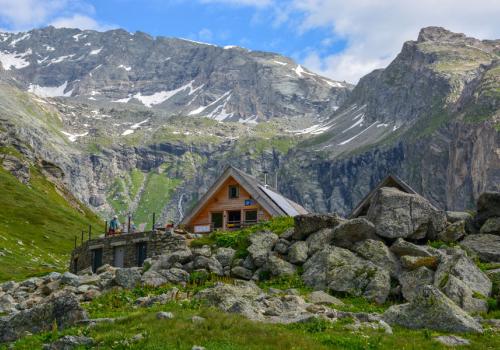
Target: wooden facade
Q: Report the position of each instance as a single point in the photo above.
(236, 212)
(237, 200)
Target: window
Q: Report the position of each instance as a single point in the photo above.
(234, 191)
(251, 216)
(217, 220)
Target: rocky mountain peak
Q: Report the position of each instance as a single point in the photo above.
(439, 34)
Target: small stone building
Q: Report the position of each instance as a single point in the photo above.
(236, 200)
(126, 250)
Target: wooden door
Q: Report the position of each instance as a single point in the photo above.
(142, 252)
(96, 259)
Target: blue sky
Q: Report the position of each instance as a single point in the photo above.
(340, 39)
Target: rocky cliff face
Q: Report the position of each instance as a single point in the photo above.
(122, 115)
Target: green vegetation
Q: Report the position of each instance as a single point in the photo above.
(223, 331)
(238, 239)
(157, 192)
(38, 223)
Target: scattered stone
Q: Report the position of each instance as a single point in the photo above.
(241, 272)
(414, 262)
(175, 275)
(431, 309)
(317, 240)
(463, 268)
(69, 342)
(297, 253)
(453, 232)
(197, 347)
(463, 296)
(85, 272)
(281, 246)
(387, 329)
(209, 264)
(261, 244)
(379, 254)
(402, 247)
(128, 278)
(412, 281)
(322, 298)
(347, 233)
(162, 315)
(278, 267)
(309, 223)
(488, 206)
(399, 214)
(485, 246)
(340, 270)
(70, 279)
(197, 319)
(452, 340)
(491, 226)
(225, 256)
(63, 309)
(138, 337)
(454, 216)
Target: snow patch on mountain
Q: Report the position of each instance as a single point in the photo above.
(23, 37)
(50, 91)
(16, 60)
(74, 137)
(202, 108)
(127, 68)
(96, 51)
(160, 97)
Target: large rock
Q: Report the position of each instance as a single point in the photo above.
(340, 270)
(463, 268)
(276, 266)
(414, 262)
(401, 247)
(261, 244)
(488, 206)
(411, 281)
(491, 226)
(297, 253)
(225, 256)
(70, 342)
(453, 232)
(454, 216)
(153, 279)
(128, 277)
(399, 214)
(431, 309)
(321, 298)
(317, 240)
(63, 309)
(70, 279)
(351, 231)
(210, 264)
(309, 223)
(379, 254)
(175, 275)
(486, 247)
(7, 304)
(463, 296)
(241, 272)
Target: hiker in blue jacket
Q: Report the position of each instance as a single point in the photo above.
(114, 225)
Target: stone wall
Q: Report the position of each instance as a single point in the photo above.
(157, 243)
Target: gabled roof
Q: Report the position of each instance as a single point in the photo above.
(273, 202)
(388, 181)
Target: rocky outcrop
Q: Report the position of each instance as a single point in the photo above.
(431, 309)
(485, 246)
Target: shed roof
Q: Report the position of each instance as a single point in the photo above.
(273, 202)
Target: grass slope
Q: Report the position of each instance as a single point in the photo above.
(221, 331)
(37, 226)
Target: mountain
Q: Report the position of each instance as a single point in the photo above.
(174, 76)
(432, 117)
(145, 124)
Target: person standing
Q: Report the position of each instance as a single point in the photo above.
(114, 225)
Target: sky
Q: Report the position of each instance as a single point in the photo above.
(341, 39)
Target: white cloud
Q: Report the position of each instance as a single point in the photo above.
(254, 3)
(19, 15)
(79, 21)
(376, 29)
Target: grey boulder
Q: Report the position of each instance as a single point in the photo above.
(379, 254)
(412, 281)
(276, 266)
(491, 226)
(128, 277)
(399, 214)
(309, 223)
(70, 342)
(485, 246)
(261, 244)
(431, 309)
(340, 270)
(317, 240)
(297, 253)
(351, 231)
